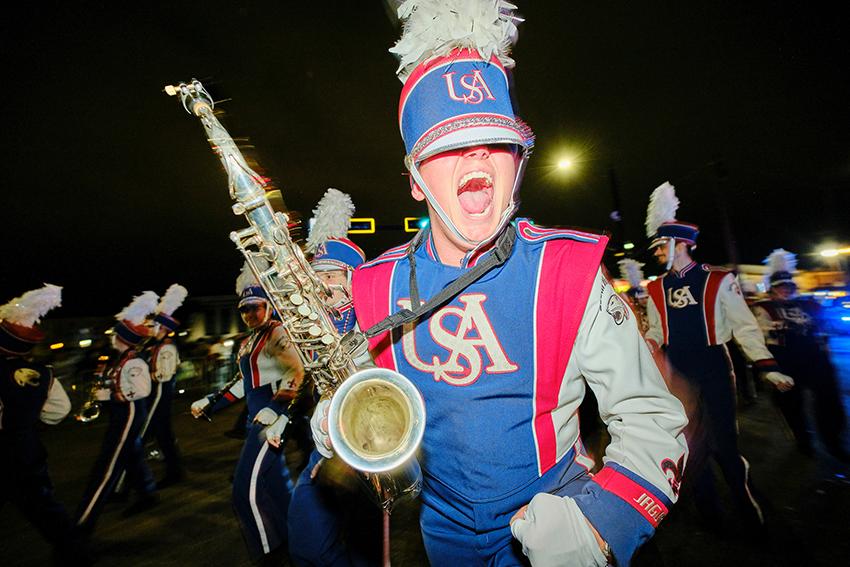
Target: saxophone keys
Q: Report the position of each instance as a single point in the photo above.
(327, 340)
(315, 331)
(296, 299)
(304, 310)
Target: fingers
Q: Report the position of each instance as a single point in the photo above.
(520, 514)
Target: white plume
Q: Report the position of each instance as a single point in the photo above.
(28, 309)
(781, 260)
(172, 300)
(662, 208)
(333, 217)
(245, 279)
(141, 306)
(630, 270)
(432, 28)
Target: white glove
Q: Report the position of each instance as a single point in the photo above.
(554, 532)
(782, 382)
(265, 416)
(274, 432)
(199, 406)
(319, 426)
(102, 394)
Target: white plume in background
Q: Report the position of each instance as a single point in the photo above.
(28, 309)
(172, 299)
(781, 260)
(333, 217)
(630, 270)
(432, 28)
(141, 306)
(245, 279)
(662, 208)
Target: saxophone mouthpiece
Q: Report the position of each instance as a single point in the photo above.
(171, 90)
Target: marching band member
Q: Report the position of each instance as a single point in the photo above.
(693, 310)
(791, 327)
(632, 271)
(517, 322)
(127, 382)
(164, 359)
(318, 512)
(29, 393)
(271, 374)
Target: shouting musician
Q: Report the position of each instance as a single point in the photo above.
(29, 393)
(319, 512)
(164, 358)
(271, 375)
(523, 323)
(127, 382)
(693, 311)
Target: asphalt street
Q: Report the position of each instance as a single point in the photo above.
(807, 498)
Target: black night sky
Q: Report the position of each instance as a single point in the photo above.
(109, 187)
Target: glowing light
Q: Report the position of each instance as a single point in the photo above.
(652, 278)
(628, 245)
(363, 225)
(56, 346)
(415, 224)
(85, 343)
(181, 391)
(832, 252)
(182, 333)
(228, 343)
(845, 318)
(103, 358)
(108, 331)
(171, 334)
(565, 163)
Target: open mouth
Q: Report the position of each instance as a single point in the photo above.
(475, 193)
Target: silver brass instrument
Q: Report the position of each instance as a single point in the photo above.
(91, 410)
(376, 416)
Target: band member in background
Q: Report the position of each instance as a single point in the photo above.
(271, 374)
(322, 512)
(164, 359)
(29, 393)
(792, 330)
(693, 310)
(126, 384)
(632, 271)
(504, 360)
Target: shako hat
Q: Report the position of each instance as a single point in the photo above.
(130, 327)
(661, 223)
(173, 298)
(781, 265)
(327, 239)
(19, 318)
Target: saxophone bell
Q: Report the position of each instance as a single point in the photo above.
(376, 421)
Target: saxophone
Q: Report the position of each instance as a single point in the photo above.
(376, 416)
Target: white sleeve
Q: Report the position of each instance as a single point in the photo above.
(645, 420)
(167, 361)
(745, 329)
(56, 406)
(135, 380)
(654, 333)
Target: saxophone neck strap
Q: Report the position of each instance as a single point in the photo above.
(501, 252)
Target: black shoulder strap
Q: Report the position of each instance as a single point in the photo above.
(501, 252)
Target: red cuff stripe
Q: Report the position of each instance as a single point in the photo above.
(229, 397)
(648, 505)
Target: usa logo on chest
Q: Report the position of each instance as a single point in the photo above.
(465, 335)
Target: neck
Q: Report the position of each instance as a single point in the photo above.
(680, 262)
(449, 253)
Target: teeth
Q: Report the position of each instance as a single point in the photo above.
(475, 175)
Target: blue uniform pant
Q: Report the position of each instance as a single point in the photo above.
(708, 369)
(159, 426)
(261, 494)
(456, 531)
(121, 450)
(329, 527)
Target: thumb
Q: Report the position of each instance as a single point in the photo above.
(519, 528)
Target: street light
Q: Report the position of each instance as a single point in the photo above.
(833, 252)
(565, 163)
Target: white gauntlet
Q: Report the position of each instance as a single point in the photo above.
(555, 533)
(265, 416)
(198, 407)
(320, 432)
(782, 382)
(274, 432)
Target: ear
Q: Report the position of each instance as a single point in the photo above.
(415, 191)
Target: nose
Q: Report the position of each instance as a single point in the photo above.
(477, 152)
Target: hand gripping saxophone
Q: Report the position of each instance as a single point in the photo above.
(377, 416)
